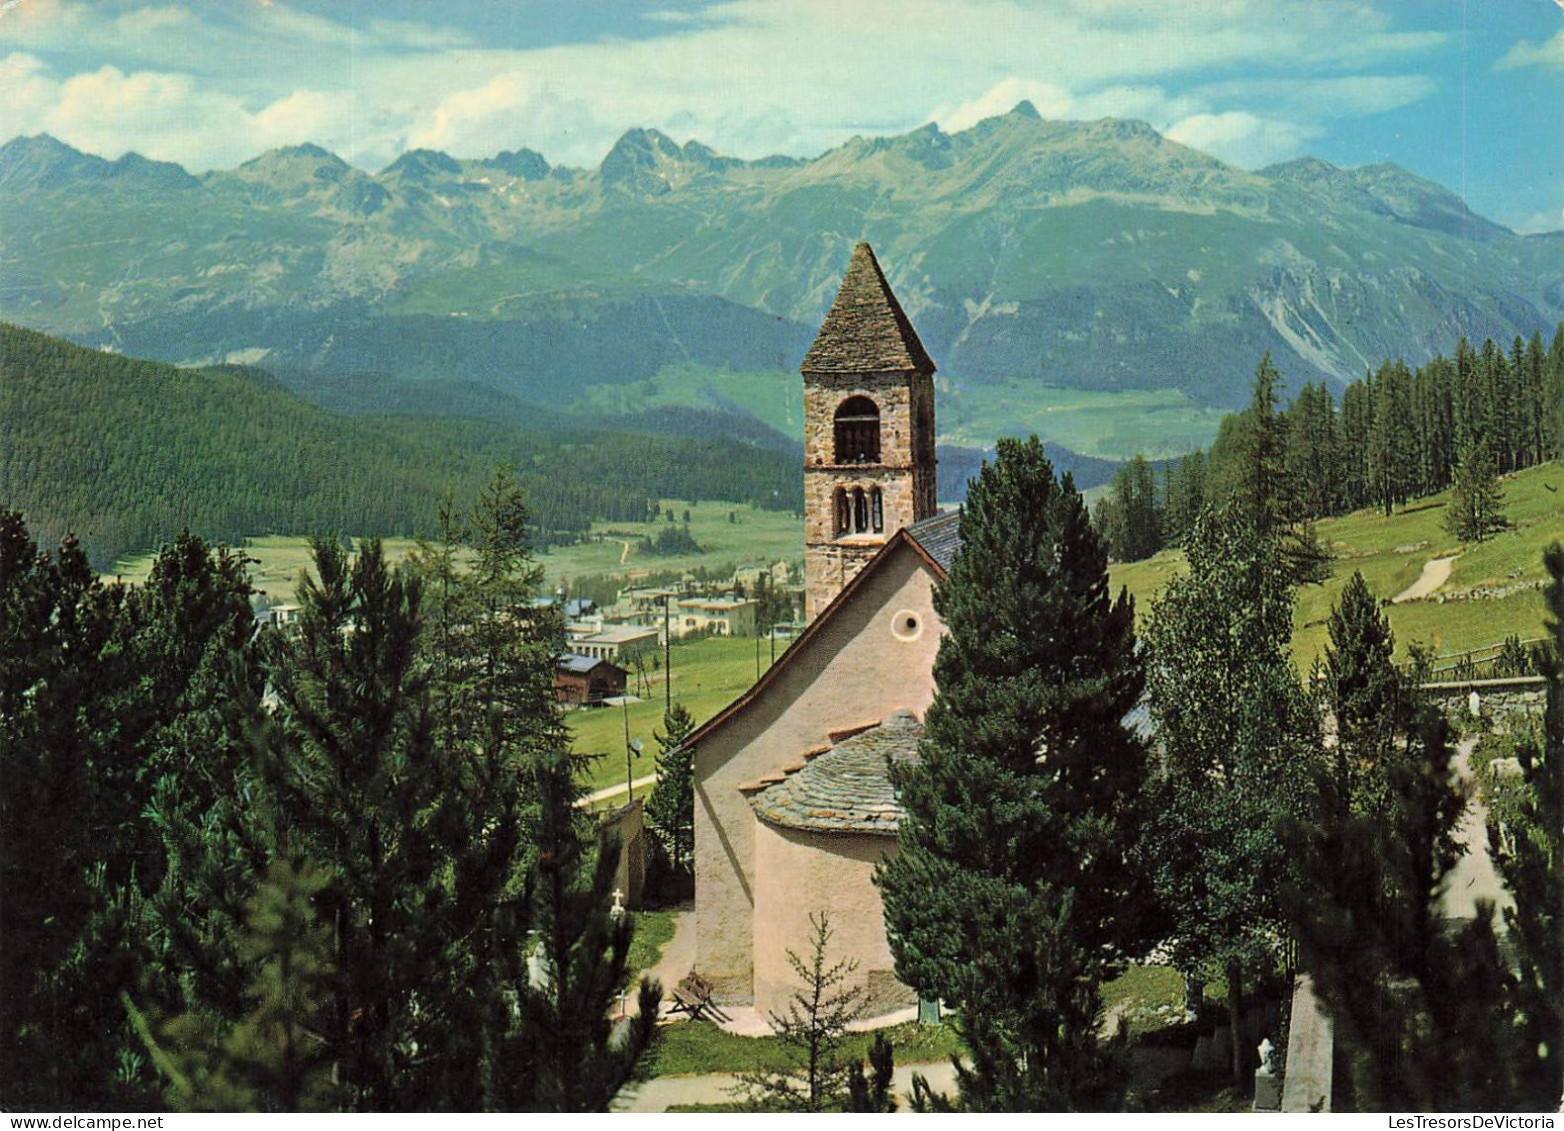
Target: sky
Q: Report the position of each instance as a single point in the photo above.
(1469, 93)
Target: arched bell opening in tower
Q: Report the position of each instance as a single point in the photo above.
(858, 431)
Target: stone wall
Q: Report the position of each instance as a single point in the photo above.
(1497, 700)
(905, 474)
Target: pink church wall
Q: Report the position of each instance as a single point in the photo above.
(803, 873)
(856, 668)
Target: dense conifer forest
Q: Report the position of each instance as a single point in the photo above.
(1396, 435)
(127, 453)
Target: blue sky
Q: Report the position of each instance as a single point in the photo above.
(1470, 94)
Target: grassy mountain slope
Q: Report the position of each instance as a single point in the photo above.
(127, 452)
(1494, 589)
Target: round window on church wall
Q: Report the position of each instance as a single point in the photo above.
(907, 625)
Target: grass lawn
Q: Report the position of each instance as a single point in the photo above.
(280, 560)
(699, 1047)
(707, 676)
(653, 931)
(695, 1048)
(1391, 553)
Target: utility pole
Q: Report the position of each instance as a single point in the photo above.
(667, 661)
(632, 751)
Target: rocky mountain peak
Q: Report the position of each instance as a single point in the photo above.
(528, 164)
(423, 165)
(43, 161)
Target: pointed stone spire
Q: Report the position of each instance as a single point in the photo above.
(866, 330)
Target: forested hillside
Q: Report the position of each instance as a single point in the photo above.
(1396, 435)
(126, 453)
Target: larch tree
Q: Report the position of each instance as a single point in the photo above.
(1011, 895)
(1235, 733)
(671, 807)
(1476, 508)
(812, 1033)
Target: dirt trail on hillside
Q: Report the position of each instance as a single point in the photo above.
(1435, 573)
(1474, 877)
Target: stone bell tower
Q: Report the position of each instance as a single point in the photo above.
(868, 431)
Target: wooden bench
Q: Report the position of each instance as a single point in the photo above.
(693, 995)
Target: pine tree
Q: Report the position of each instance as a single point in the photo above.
(194, 637)
(564, 1052)
(1531, 861)
(69, 737)
(275, 1058)
(1366, 693)
(1420, 1012)
(1011, 896)
(1476, 507)
(363, 789)
(872, 1093)
(812, 1032)
(1236, 733)
(671, 807)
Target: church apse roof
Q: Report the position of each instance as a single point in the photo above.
(866, 330)
(847, 787)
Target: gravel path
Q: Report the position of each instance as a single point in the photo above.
(1473, 876)
(666, 1091)
(616, 790)
(1435, 573)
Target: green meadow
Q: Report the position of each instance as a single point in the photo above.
(1155, 423)
(750, 537)
(707, 675)
(1390, 552)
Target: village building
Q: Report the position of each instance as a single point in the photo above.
(620, 643)
(718, 616)
(585, 681)
(793, 805)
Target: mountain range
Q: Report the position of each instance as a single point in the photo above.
(1049, 267)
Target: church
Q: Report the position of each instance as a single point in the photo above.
(793, 806)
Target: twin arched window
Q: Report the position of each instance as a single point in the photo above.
(858, 431)
(859, 511)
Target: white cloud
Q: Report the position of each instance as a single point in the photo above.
(1548, 53)
(28, 93)
(1336, 97)
(749, 77)
(1544, 221)
(1049, 101)
(1242, 138)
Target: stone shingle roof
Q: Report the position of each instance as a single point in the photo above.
(866, 330)
(939, 537)
(845, 789)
